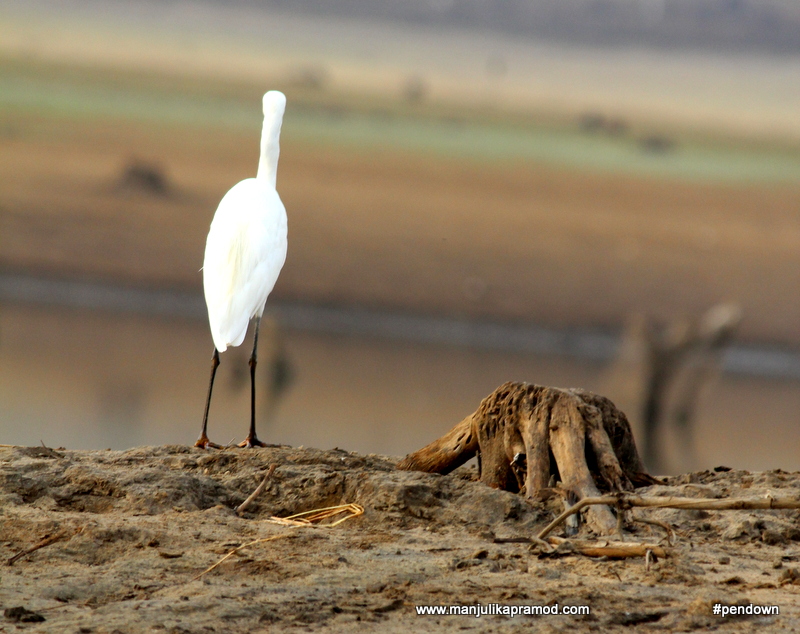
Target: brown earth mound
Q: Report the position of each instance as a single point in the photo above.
(132, 531)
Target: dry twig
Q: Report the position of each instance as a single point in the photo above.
(667, 528)
(52, 539)
(236, 550)
(524, 540)
(257, 492)
(612, 550)
(648, 559)
(627, 501)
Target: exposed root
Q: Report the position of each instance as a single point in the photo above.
(518, 429)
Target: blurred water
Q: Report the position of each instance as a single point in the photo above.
(92, 379)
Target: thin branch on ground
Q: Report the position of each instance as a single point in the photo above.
(624, 501)
(524, 540)
(610, 549)
(236, 550)
(648, 560)
(667, 528)
(52, 539)
(257, 492)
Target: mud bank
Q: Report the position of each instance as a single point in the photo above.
(134, 529)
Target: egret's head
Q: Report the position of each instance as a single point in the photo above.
(274, 104)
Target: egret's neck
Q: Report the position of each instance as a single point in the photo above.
(270, 148)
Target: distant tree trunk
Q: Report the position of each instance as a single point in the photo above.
(673, 361)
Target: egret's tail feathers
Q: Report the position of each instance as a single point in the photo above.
(231, 335)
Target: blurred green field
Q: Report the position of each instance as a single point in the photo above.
(319, 117)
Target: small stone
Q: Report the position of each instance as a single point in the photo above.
(734, 581)
(772, 538)
(481, 553)
(20, 614)
(724, 560)
(739, 530)
(790, 575)
(778, 563)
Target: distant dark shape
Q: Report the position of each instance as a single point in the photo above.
(415, 89)
(310, 77)
(140, 176)
(592, 122)
(656, 144)
(597, 123)
(616, 127)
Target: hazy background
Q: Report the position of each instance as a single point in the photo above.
(477, 192)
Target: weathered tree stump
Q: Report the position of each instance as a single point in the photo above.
(524, 434)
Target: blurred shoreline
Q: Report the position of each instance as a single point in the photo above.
(593, 346)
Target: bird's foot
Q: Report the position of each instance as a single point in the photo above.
(252, 441)
(204, 443)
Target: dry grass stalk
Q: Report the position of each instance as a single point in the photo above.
(306, 518)
(315, 517)
(236, 550)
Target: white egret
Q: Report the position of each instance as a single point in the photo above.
(245, 251)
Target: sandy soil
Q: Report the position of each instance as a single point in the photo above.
(139, 526)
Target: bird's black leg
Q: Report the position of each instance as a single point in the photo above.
(203, 441)
(252, 440)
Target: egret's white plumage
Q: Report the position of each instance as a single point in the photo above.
(245, 251)
(246, 245)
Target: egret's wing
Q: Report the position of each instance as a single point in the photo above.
(245, 251)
